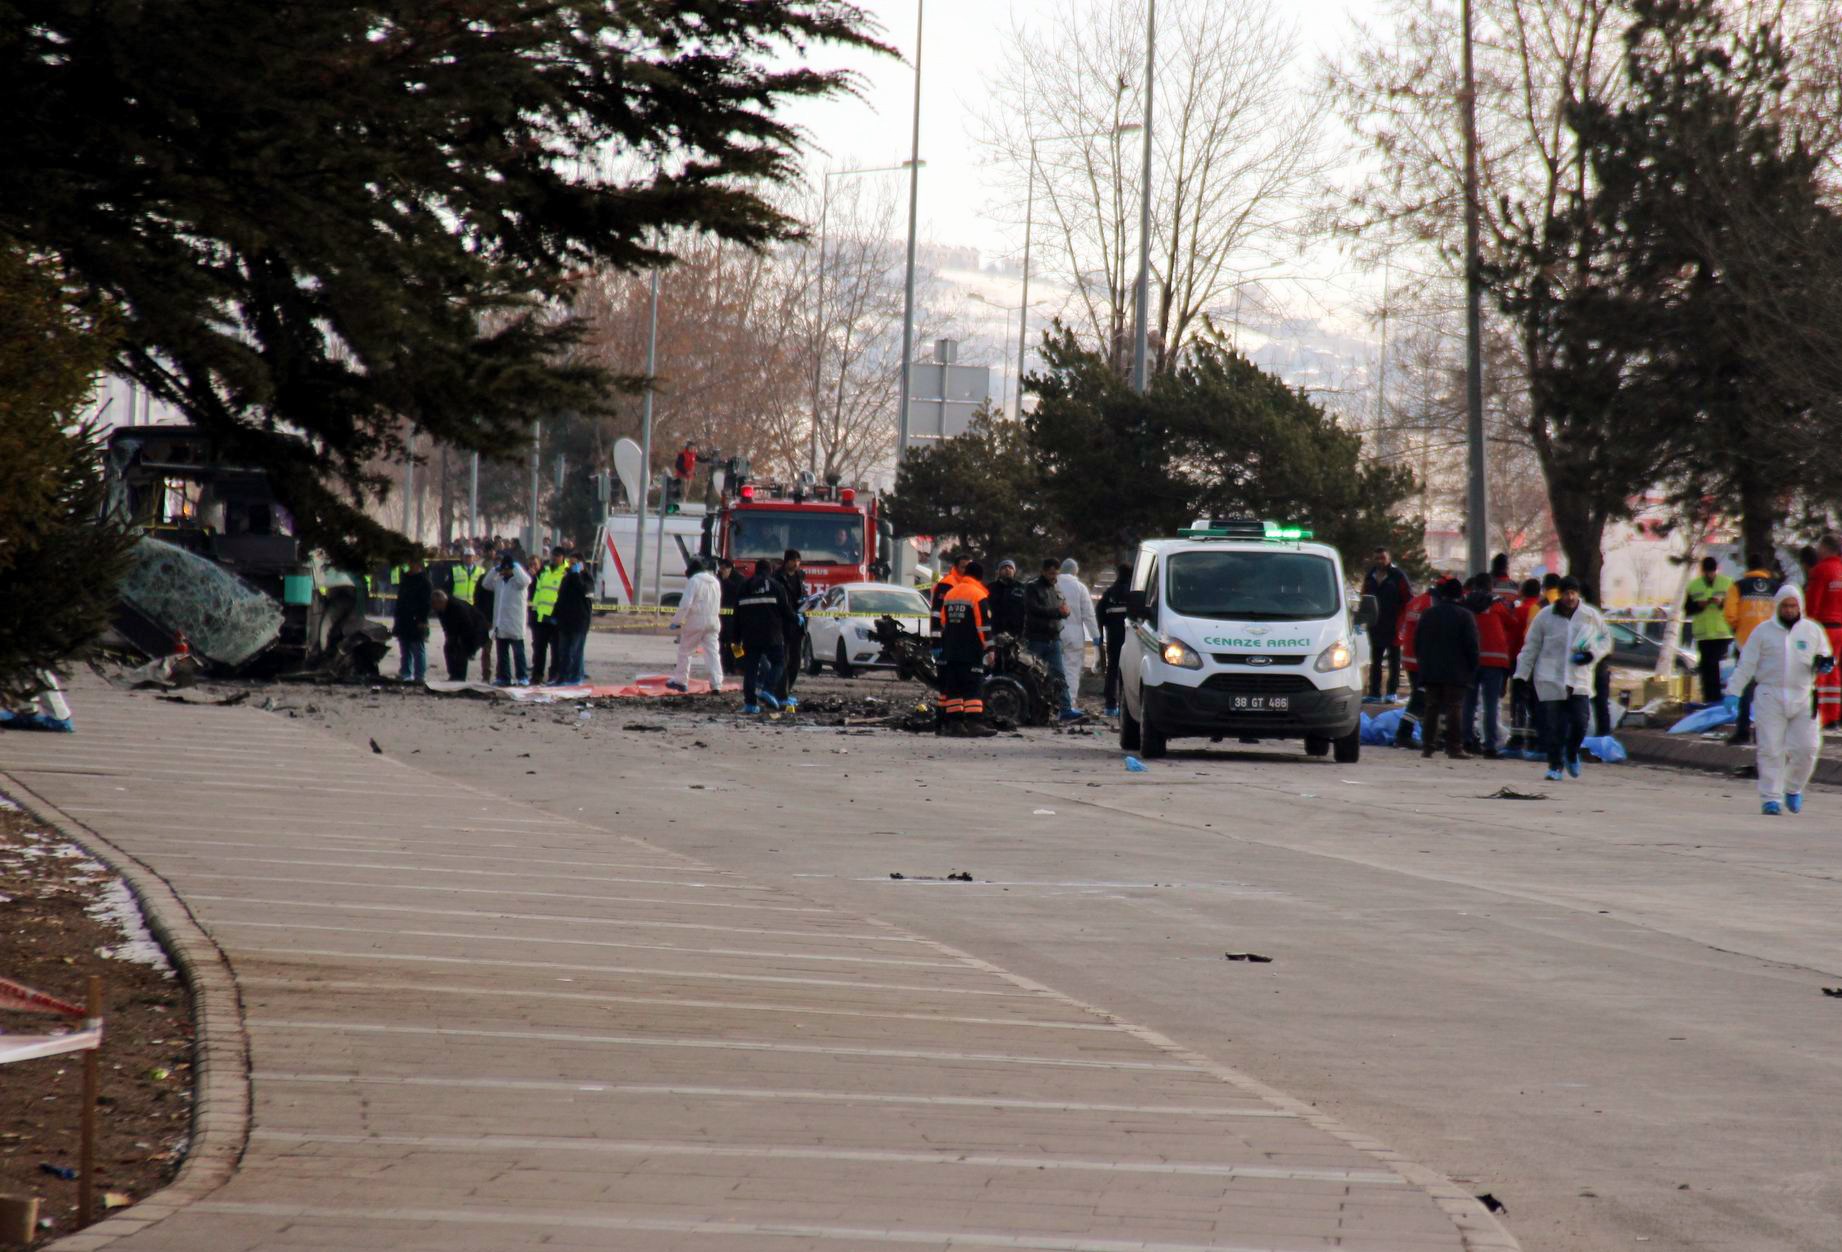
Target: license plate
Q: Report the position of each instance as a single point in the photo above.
(1262, 704)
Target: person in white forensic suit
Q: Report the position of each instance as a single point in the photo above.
(699, 623)
(1784, 655)
(1081, 624)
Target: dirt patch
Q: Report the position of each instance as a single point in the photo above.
(64, 917)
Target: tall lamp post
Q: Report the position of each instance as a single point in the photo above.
(903, 552)
(1477, 493)
(1029, 215)
(1143, 313)
(818, 351)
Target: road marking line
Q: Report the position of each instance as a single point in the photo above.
(521, 993)
(784, 980)
(339, 905)
(690, 1226)
(216, 923)
(945, 1156)
(342, 821)
(720, 1045)
(477, 873)
(511, 891)
(765, 1093)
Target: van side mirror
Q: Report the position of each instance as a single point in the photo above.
(1135, 605)
(1368, 612)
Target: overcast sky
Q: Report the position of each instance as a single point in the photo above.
(964, 41)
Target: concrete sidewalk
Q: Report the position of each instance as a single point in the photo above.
(471, 1024)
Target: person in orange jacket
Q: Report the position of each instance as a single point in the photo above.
(1823, 598)
(962, 655)
(1499, 632)
(1404, 639)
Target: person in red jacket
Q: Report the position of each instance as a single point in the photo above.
(1499, 636)
(1823, 604)
(1404, 635)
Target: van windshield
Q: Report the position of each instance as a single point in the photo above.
(1264, 586)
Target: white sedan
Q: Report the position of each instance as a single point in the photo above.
(849, 643)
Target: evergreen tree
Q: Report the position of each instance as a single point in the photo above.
(1717, 230)
(981, 488)
(321, 220)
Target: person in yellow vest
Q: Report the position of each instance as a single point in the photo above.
(544, 589)
(1750, 602)
(1707, 610)
(464, 576)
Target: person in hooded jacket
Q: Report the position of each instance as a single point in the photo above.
(1751, 602)
(1785, 656)
(1446, 648)
(763, 619)
(1078, 627)
(1007, 601)
(1499, 638)
(1564, 643)
(698, 622)
(732, 580)
(1113, 629)
(574, 611)
(1387, 582)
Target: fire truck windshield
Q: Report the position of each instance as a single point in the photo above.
(821, 538)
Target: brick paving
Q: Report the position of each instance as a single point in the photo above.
(471, 1025)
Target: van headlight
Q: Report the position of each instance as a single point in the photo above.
(1181, 655)
(1337, 656)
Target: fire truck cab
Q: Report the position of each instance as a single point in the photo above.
(840, 536)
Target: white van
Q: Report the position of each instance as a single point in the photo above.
(1246, 629)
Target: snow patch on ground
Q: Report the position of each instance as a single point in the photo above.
(117, 907)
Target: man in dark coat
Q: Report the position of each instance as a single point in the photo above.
(763, 618)
(732, 582)
(463, 632)
(1007, 601)
(1446, 646)
(574, 610)
(1388, 584)
(1113, 632)
(410, 625)
(793, 583)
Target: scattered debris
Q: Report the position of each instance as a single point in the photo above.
(1136, 766)
(1043, 813)
(375, 748)
(956, 875)
(1491, 1203)
(959, 876)
(643, 726)
(229, 701)
(57, 1171)
(1510, 793)
(1833, 992)
(1252, 958)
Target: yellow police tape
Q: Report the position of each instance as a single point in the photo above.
(666, 610)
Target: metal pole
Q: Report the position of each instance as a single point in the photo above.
(419, 494)
(818, 323)
(537, 439)
(473, 499)
(914, 203)
(92, 1081)
(1477, 495)
(652, 357)
(1023, 307)
(658, 549)
(409, 484)
(1141, 334)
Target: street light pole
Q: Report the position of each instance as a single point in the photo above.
(652, 354)
(1477, 494)
(903, 551)
(1141, 333)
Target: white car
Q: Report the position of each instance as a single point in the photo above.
(849, 644)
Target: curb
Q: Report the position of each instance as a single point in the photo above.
(1693, 752)
(220, 1050)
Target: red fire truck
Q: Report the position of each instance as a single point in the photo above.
(840, 535)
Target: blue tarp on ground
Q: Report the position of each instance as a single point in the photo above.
(1711, 718)
(1606, 749)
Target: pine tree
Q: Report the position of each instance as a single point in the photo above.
(320, 221)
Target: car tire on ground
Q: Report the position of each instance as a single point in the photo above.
(1317, 745)
(1128, 730)
(845, 668)
(812, 663)
(1349, 747)
(1005, 700)
(1152, 741)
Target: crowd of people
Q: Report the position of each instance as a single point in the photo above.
(490, 606)
(1465, 644)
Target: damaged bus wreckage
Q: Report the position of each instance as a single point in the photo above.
(218, 573)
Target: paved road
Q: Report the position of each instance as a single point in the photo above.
(1603, 1007)
(474, 1023)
